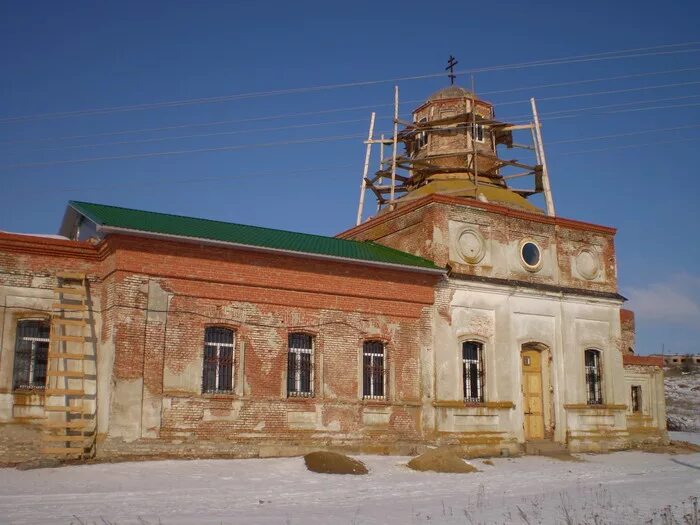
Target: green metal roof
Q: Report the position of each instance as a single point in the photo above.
(240, 234)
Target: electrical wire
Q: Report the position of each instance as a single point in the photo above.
(626, 146)
(197, 180)
(180, 152)
(608, 55)
(333, 110)
(219, 133)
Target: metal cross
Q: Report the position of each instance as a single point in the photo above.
(451, 63)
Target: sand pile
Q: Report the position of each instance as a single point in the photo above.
(441, 459)
(333, 463)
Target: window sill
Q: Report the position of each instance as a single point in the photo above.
(308, 397)
(585, 406)
(375, 402)
(219, 395)
(29, 391)
(501, 405)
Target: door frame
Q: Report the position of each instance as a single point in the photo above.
(546, 369)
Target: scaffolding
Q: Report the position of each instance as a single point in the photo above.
(398, 174)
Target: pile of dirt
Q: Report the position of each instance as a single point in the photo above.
(333, 463)
(441, 459)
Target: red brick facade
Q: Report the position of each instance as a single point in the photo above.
(152, 301)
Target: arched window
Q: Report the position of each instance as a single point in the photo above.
(31, 354)
(300, 376)
(373, 370)
(594, 385)
(473, 371)
(217, 374)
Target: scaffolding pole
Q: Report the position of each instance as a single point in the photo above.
(540, 150)
(363, 184)
(394, 147)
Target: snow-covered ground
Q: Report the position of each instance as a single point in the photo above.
(624, 487)
(683, 399)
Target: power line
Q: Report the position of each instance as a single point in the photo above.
(552, 114)
(608, 92)
(626, 146)
(628, 134)
(218, 133)
(332, 110)
(179, 152)
(608, 55)
(592, 80)
(164, 182)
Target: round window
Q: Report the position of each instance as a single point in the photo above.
(530, 254)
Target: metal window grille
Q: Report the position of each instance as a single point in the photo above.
(31, 354)
(478, 132)
(473, 372)
(374, 370)
(217, 374)
(636, 398)
(593, 378)
(300, 377)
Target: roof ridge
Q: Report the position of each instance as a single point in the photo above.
(339, 241)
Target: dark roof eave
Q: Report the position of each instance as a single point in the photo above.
(215, 242)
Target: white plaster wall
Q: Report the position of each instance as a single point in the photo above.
(504, 318)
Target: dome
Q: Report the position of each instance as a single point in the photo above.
(451, 92)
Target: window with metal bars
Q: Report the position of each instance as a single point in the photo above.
(373, 370)
(636, 398)
(31, 354)
(300, 372)
(217, 374)
(594, 386)
(473, 371)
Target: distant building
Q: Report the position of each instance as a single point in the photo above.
(460, 313)
(679, 360)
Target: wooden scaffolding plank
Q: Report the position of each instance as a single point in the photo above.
(61, 450)
(66, 355)
(79, 423)
(71, 338)
(66, 373)
(64, 438)
(63, 392)
(73, 276)
(72, 409)
(70, 291)
(68, 306)
(69, 322)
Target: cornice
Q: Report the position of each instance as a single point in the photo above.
(488, 206)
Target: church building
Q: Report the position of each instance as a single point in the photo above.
(460, 313)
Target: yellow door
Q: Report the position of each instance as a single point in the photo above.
(532, 394)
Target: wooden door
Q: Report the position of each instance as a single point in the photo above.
(532, 394)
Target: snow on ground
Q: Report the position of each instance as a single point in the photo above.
(682, 398)
(623, 487)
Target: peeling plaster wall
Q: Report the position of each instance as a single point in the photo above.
(648, 425)
(567, 304)
(164, 295)
(26, 292)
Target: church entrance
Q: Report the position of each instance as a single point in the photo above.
(533, 402)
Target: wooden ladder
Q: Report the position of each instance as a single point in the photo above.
(69, 427)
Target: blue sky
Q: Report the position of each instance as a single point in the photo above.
(70, 56)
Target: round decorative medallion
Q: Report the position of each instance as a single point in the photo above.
(530, 256)
(587, 264)
(471, 246)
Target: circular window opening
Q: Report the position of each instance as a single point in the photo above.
(530, 253)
